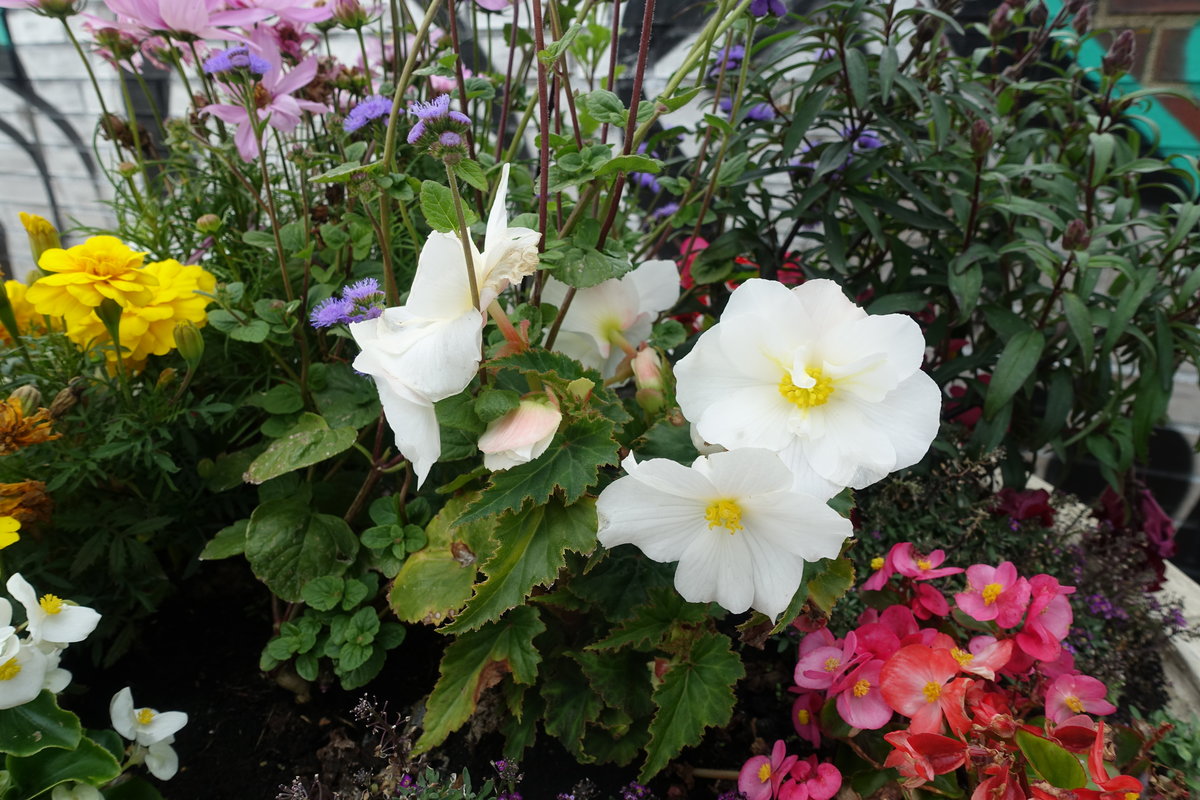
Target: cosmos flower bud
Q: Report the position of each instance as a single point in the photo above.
(128, 169)
(350, 14)
(42, 235)
(208, 223)
(1119, 57)
(981, 137)
(1076, 236)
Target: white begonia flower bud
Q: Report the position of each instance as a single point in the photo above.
(521, 435)
(143, 725)
(75, 791)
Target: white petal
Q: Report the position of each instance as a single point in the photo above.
(716, 567)
(57, 680)
(120, 710)
(441, 287)
(497, 223)
(582, 348)
(413, 421)
(70, 624)
(872, 355)
(909, 418)
(598, 311)
(6, 610)
(776, 575)
(27, 683)
(754, 416)
(824, 306)
(797, 524)
(435, 358)
(162, 761)
(744, 472)
(660, 524)
(22, 592)
(77, 791)
(805, 479)
(656, 284)
(162, 725)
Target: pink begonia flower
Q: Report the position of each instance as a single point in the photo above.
(1076, 733)
(278, 108)
(920, 683)
(186, 20)
(806, 712)
(859, 701)
(929, 602)
(760, 776)
(819, 668)
(901, 620)
(808, 780)
(521, 435)
(984, 656)
(442, 85)
(1049, 619)
(822, 637)
(1076, 694)
(911, 564)
(877, 639)
(921, 757)
(1063, 665)
(994, 593)
(884, 567)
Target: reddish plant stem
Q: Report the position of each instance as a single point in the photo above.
(507, 105)
(612, 60)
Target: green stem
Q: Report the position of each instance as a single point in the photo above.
(389, 148)
(88, 66)
(464, 234)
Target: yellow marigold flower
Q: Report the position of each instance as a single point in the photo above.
(18, 430)
(29, 321)
(86, 274)
(26, 501)
(42, 235)
(8, 531)
(149, 329)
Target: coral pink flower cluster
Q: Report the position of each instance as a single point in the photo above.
(785, 777)
(956, 694)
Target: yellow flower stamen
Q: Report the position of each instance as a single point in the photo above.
(991, 592)
(764, 772)
(924, 564)
(9, 669)
(862, 688)
(803, 716)
(932, 691)
(725, 513)
(818, 395)
(143, 716)
(962, 656)
(1073, 703)
(832, 663)
(877, 562)
(51, 603)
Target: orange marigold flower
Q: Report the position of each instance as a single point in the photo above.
(18, 430)
(26, 501)
(84, 275)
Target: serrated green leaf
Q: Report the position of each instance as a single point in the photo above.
(436, 582)
(87, 763)
(531, 547)
(828, 580)
(571, 703)
(437, 204)
(653, 621)
(229, 541)
(696, 693)
(40, 723)
(622, 679)
(1054, 763)
(344, 173)
(570, 465)
(586, 267)
(288, 545)
(458, 426)
(309, 442)
(1017, 362)
(324, 593)
(476, 661)
(631, 163)
(604, 106)
(492, 404)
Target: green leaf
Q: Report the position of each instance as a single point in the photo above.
(531, 547)
(309, 442)
(1017, 362)
(828, 581)
(668, 334)
(475, 662)
(856, 70)
(555, 50)
(436, 582)
(652, 621)
(1053, 762)
(86, 763)
(36, 725)
(324, 593)
(133, 789)
(229, 541)
(288, 545)
(259, 239)
(437, 204)
(586, 267)
(631, 163)
(571, 703)
(344, 173)
(696, 693)
(604, 106)
(458, 426)
(492, 404)
(571, 465)
(282, 399)
(1080, 322)
(471, 172)
(622, 679)
(365, 672)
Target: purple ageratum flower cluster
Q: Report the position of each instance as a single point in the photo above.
(635, 791)
(664, 211)
(862, 141)
(760, 8)
(372, 108)
(236, 59)
(359, 301)
(759, 112)
(1101, 606)
(727, 58)
(434, 115)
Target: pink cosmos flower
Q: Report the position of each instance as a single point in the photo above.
(859, 701)
(911, 564)
(808, 780)
(760, 776)
(920, 683)
(806, 711)
(494, 5)
(1076, 694)
(276, 106)
(294, 12)
(1049, 619)
(921, 757)
(442, 85)
(994, 593)
(185, 20)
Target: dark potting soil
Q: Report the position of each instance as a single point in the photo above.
(249, 738)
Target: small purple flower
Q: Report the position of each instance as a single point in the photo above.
(435, 113)
(635, 791)
(366, 289)
(406, 781)
(665, 210)
(236, 58)
(864, 140)
(372, 108)
(359, 301)
(331, 311)
(761, 112)
(760, 8)
(729, 58)
(646, 180)
(450, 139)
(826, 54)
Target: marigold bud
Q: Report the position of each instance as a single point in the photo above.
(42, 235)
(208, 223)
(65, 400)
(28, 396)
(165, 378)
(190, 342)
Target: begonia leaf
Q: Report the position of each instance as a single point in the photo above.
(36, 725)
(531, 544)
(571, 703)
(653, 620)
(696, 693)
(1054, 763)
(476, 661)
(87, 762)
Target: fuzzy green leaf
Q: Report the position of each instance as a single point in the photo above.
(531, 547)
(696, 693)
(652, 621)
(828, 581)
(475, 662)
(309, 442)
(437, 204)
(288, 545)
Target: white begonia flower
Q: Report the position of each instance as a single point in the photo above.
(521, 435)
(10, 643)
(143, 725)
(161, 759)
(605, 323)
(52, 619)
(840, 395)
(56, 678)
(22, 677)
(740, 532)
(75, 791)
(429, 348)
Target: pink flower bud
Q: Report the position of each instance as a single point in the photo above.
(648, 377)
(521, 435)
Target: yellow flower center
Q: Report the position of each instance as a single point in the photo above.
(1132, 796)
(932, 691)
(764, 772)
(818, 395)
(803, 716)
(962, 656)
(725, 513)
(143, 716)
(862, 687)
(924, 564)
(51, 603)
(991, 592)
(1073, 703)
(877, 562)
(9, 669)
(832, 663)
